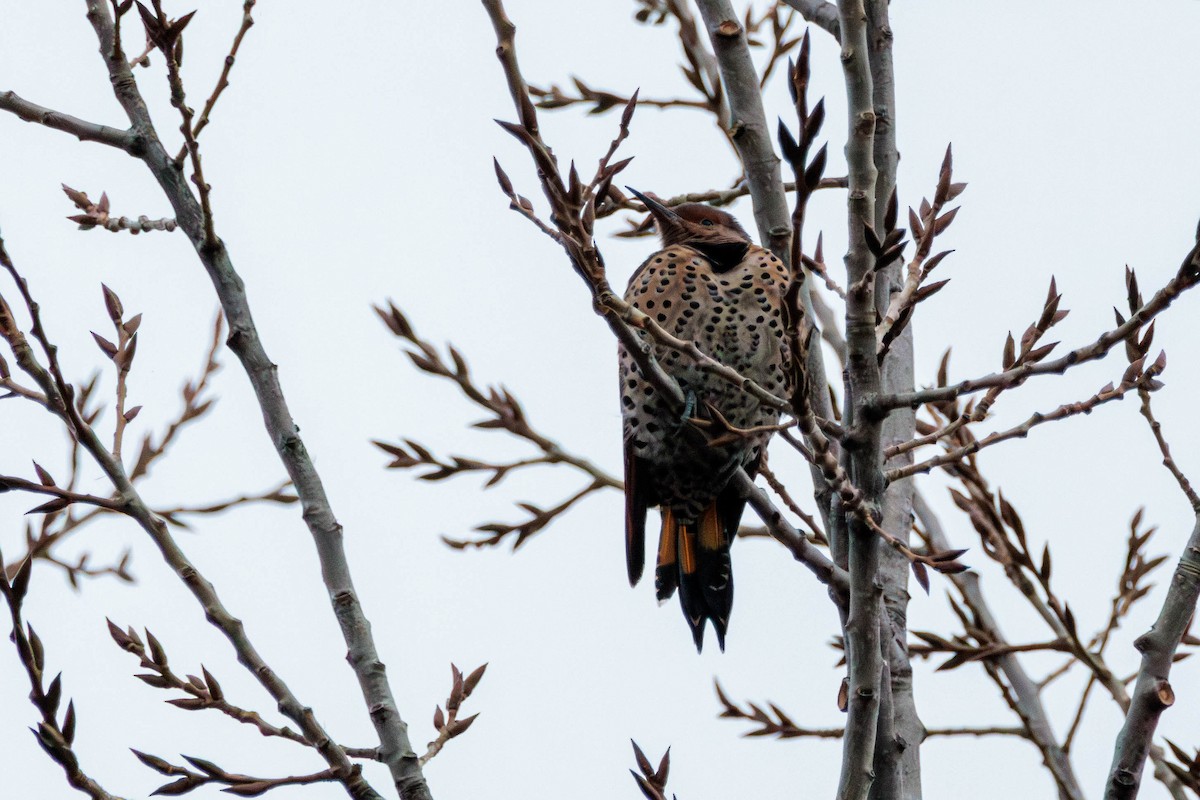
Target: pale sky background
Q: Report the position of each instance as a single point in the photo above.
(351, 162)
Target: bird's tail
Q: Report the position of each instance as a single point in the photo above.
(694, 558)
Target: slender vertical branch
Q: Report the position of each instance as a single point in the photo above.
(897, 376)
(395, 747)
(863, 378)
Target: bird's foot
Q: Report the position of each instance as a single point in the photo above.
(689, 407)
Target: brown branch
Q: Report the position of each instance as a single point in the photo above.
(553, 97)
(1030, 353)
(1020, 692)
(538, 519)
(778, 724)
(211, 773)
(956, 454)
(780, 44)
(1187, 277)
(1130, 589)
(204, 690)
(195, 406)
(818, 535)
(714, 197)
(1168, 460)
(223, 80)
(703, 71)
(991, 516)
(816, 265)
(55, 738)
(447, 724)
(167, 34)
(507, 413)
(63, 497)
(277, 494)
(926, 226)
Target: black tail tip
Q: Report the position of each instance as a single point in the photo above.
(698, 636)
(698, 633)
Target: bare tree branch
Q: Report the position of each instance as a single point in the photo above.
(954, 454)
(223, 80)
(81, 129)
(1020, 691)
(775, 722)
(862, 625)
(1187, 277)
(821, 13)
(204, 691)
(55, 738)
(60, 395)
(1152, 694)
(196, 220)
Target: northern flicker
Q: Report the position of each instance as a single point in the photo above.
(711, 285)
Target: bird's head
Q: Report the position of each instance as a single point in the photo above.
(710, 230)
(693, 223)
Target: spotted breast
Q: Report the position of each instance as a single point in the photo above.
(709, 285)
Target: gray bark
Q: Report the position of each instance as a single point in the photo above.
(395, 748)
(1152, 693)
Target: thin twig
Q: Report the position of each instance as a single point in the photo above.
(223, 80)
(55, 738)
(1186, 278)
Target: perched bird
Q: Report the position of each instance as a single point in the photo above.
(710, 285)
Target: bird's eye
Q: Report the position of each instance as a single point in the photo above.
(708, 223)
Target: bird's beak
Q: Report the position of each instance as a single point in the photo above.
(665, 216)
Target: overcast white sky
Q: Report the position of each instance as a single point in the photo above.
(351, 162)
